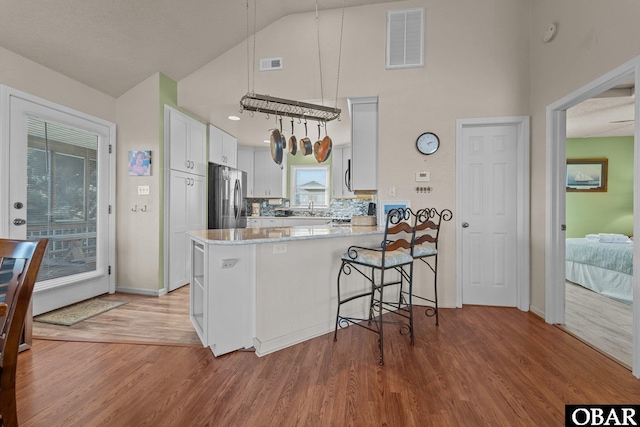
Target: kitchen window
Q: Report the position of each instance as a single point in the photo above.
(309, 184)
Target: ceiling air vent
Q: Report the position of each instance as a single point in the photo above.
(269, 64)
(405, 38)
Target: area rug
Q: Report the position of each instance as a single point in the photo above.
(76, 313)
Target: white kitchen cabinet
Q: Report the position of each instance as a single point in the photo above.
(185, 192)
(222, 147)
(341, 172)
(245, 163)
(269, 178)
(364, 143)
(264, 222)
(302, 221)
(187, 139)
(186, 206)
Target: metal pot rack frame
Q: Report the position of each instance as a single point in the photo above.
(288, 108)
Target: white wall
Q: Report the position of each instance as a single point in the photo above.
(593, 37)
(25, 75)
(138, 247)
(477, 65)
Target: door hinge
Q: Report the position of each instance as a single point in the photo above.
(563, 227)
(110, 148)
(109, 269)
(109, 208)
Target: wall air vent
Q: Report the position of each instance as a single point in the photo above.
(405, 38)
(270, 64)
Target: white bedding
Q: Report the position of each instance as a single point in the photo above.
(606, 268)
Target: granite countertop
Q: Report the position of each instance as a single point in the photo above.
(250, 236)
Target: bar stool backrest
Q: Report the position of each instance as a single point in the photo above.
(399, 230)
(427, 225)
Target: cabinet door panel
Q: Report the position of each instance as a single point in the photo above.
(197, 147)
(178, 131)
(178, 225)
(364, 144)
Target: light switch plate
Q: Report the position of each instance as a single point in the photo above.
(143, 190)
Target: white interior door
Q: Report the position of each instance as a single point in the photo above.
(58, 188)
(488, 217)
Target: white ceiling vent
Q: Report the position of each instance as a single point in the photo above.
(269, 64)
(405, 38)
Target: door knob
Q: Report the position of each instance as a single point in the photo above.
(18, 205)
(465, 225)
(19, 221)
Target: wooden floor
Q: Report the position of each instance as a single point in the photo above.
(602, 322)
(483, 366)
(144, 319)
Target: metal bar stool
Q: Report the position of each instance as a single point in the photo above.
(393, 254)
(425, 249)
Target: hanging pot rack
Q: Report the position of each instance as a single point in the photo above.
(288, 108)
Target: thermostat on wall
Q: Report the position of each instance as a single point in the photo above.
(423, 176)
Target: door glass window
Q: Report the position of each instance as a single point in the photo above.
(62, 197)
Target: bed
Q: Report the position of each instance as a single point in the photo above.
(606, 268)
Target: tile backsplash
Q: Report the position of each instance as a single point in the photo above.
(338, 208)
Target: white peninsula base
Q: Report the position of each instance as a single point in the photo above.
(270, 288)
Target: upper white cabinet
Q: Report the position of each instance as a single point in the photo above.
(245, 163)
(269, 179)
(222, 147)
(188, 143)
(364, 143)
(341, 172)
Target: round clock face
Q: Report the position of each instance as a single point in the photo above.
(428, 143)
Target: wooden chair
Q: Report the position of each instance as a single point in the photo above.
(19, 264)
(425, 249)
(393, 254)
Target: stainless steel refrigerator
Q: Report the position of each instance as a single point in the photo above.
(227, 197)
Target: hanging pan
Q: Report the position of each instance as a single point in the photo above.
(293, 144)
(278, 145)
(305, 143)
(322, 148)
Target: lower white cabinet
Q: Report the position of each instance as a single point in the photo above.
(264, 222)
(186, 211)
(222, 295)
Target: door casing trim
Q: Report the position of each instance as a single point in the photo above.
(522, 200)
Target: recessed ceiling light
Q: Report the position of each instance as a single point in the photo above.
(234, 118)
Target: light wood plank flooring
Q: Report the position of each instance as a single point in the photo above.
(144, 319)
(601, 322)
(483, 366)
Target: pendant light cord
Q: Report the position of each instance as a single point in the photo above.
(251, 60)
(319, 55)
(339, 54)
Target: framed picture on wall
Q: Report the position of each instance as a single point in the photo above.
(140, 163)
(385, 206)
(587, 174)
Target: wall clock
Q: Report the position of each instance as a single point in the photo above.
(428, 143)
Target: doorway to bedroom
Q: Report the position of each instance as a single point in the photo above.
(599, 221)
(596, 213)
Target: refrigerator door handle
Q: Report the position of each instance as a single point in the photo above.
(236, 198)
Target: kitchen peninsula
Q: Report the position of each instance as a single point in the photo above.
(271, 287)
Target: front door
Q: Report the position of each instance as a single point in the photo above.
(58, 188)
(488, 217)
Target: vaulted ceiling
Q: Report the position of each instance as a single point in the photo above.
(113, 45)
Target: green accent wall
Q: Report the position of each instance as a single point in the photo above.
(309, 160)
(603, 212)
